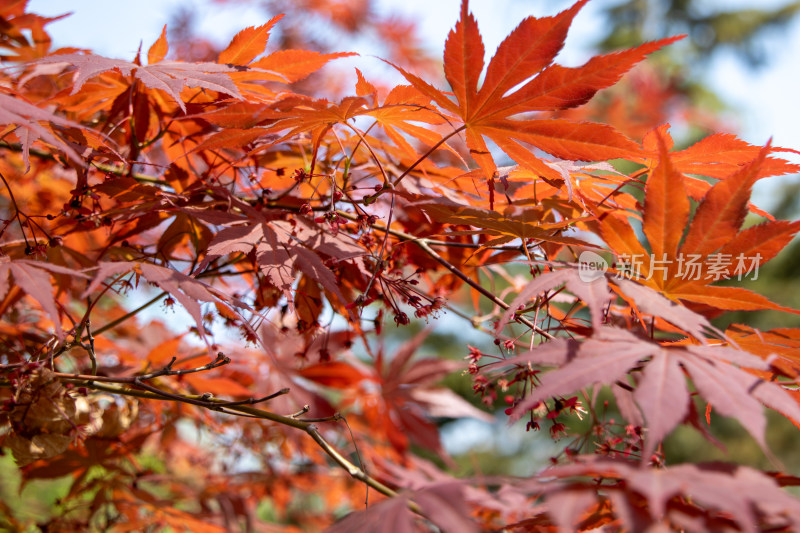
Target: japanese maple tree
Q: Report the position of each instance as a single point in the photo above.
(303, 232)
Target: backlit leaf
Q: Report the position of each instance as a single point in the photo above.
(247, 44)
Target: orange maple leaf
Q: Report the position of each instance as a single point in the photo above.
(526, 57)
(684, 261)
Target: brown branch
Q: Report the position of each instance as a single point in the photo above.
(250, 401)
(236, 408)
(129, 314)
(425, 156)
(354, 471)
(252, 412)
(92, 355)
(111, 169)
(221, 360)
(167, 370)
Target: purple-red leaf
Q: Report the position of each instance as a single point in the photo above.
(32, 278)
(169, 76)
(663, 398)
(32, 124)
(598, 361)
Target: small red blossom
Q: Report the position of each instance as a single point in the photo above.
(401, 319)
(558, 430)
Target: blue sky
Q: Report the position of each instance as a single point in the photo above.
(765, 99)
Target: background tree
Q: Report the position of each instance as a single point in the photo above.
(297, 223)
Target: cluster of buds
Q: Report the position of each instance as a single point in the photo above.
(332, 218)
(619, 440)
(475, 355)
(569, 405)
(368, 240)
(401, 319)
(514, 384)
(542, 412)
(364, 221)
(88, 216)
(425, 306)
(481, 385)
(300, 175)
(430, 309)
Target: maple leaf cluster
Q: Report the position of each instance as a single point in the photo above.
(299, 233)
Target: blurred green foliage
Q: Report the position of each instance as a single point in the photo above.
(711, 28)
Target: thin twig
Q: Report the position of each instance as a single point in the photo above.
(423, 244)
(253, 401)
(130, 314)
(221, 360)
(92, 355)
(16, 209)
(299, 413)
(425, 156)
(352, 469)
